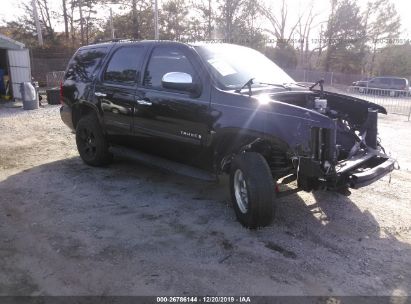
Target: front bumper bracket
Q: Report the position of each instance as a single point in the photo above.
(365, 178)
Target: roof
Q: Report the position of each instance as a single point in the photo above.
(10, 44)
(131, 41)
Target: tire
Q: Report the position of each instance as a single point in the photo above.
(91, 142)
(253, 207)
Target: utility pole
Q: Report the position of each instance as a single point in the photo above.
(156, 20)
(80, 6)
(209, 20)
(135, 32)
(66, 31)
(112, 24)
(36, 20)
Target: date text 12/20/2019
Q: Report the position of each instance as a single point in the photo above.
(188, 299)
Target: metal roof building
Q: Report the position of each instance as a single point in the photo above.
(15, 63)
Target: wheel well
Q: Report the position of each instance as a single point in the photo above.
(274, 154)
(80, 111)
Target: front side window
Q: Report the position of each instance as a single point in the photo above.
(386, 81)
(124, 65)
(82, 67)
(165, 60)
(399, 82)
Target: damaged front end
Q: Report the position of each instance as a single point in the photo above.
(347, 156)
(344, 150)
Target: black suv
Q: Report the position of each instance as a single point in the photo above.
(220, 108)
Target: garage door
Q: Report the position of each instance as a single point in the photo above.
(20, 71)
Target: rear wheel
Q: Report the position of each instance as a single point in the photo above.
(252, 190)
(91, 142)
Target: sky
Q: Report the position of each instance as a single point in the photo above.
(10, 11)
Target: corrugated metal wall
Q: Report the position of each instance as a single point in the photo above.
(20, 70)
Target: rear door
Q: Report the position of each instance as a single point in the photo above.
(81, 73)
(20, 71)
(116, 90)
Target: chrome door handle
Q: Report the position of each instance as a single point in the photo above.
(144, 102)
(99, 94)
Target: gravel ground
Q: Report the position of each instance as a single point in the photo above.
(69, 229)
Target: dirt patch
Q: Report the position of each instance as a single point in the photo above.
(69, 229)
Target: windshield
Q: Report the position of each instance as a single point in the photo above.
(234, 65)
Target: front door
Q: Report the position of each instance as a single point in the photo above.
(176, 122)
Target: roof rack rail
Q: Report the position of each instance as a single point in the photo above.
(114, 40)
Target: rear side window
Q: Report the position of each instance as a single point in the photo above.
(84, 64)
(164, 60)
(124, 65)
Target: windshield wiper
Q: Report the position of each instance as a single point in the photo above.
(248, 84)
(321, 83)
(251, 82)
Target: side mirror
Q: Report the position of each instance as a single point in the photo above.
(178, 81)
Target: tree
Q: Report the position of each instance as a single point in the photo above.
(136, 10)
(65, 17)
(382, 23)
(304, 28)
(124, 25)
(229, 21)
(46, 17)
(279, 23)
(87, 19)
(173, 20)
(394, 60)
(285, 56)
(26, 22)
(202, 27)
(345, 34)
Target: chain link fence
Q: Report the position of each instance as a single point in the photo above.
(395, 101)
(53, 79)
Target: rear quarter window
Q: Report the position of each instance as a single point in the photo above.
(83, 65)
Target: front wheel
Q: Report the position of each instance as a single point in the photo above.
(252, 190)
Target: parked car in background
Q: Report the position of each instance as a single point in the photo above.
(384, 85)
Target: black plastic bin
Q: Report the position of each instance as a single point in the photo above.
(53, 96)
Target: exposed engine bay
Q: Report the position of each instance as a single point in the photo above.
(352, 148)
